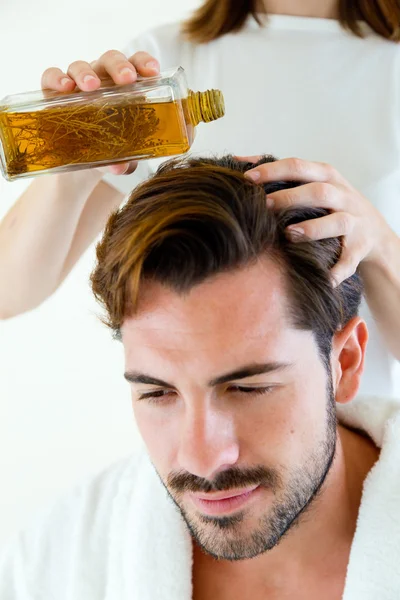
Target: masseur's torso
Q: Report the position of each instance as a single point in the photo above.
(301, 87)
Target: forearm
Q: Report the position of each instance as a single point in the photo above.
(381, 278)
(36, 236)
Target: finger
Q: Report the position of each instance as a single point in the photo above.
(125, 168)
(84, 76)
(334, 225)
(145, 64)
(122, 70)
(346, 266)
(251, 159)
(321, 195)
(115, 65)
(55, 79)
(294, 169)
(131, 168)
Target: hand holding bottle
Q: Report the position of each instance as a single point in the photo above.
(105, 125)
(87, 77)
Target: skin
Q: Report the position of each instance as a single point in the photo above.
(204, 431)
(87, 77)
(325, 9)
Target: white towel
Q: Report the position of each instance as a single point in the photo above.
(120, 537)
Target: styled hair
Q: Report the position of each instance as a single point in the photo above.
(198, 217)
(215, 18)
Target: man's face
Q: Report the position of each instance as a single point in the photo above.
(230, 399)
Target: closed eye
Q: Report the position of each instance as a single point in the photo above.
(158, 396)
(250, 390)
(155, 395)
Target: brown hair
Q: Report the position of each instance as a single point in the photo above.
(199, 217)
(215, 18)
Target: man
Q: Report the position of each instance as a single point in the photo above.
(239, 352)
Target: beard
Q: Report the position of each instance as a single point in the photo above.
(229, 537)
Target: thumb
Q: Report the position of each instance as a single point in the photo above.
(122, 168)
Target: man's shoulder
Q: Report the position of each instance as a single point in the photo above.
(372, 414)
(96, 494)
(75, 532)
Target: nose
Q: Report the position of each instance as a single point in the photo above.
(208, 442)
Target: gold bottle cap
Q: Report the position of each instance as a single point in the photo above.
(207, 106)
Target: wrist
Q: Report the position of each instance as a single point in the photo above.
(385, 257)
(80, 182)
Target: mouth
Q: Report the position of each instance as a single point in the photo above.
(223, 503)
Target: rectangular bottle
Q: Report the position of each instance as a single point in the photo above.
(48, 131)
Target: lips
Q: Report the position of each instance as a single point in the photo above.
(212, 497)
(224, 503)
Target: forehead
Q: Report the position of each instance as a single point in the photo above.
(242, 308)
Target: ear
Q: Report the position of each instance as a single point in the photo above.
(348, 356)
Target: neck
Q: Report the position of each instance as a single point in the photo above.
(327, 533)
(324, 9)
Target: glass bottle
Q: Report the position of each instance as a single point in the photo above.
(49, 131)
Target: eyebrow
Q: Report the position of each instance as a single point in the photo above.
(242, 373)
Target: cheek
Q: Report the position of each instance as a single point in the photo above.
(276, 429)
(290, 423)
(269, 430)
(158, 429)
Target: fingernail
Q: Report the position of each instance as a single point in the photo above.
(295, 233)
(270, 202)
(126, 71)
(115, 169)
(88, 78)
(151, 65)
(65, 81)
(254, 175)
(334, 281)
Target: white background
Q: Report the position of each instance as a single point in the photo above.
(64, 407)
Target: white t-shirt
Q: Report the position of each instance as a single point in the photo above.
(300, 87)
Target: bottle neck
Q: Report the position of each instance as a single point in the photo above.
(205, 106)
